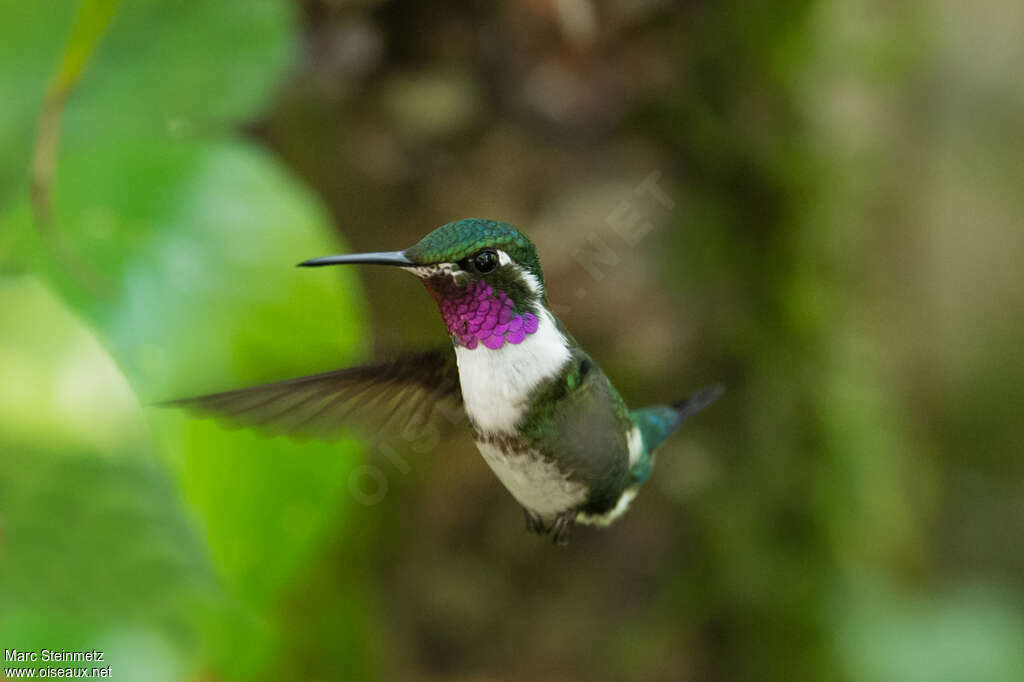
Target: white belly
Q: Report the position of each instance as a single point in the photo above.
(536, 483)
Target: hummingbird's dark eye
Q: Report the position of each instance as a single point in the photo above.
(485, 261)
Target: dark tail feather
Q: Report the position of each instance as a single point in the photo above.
(659, 422)
(698, 401)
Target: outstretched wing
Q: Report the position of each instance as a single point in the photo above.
(410, 391)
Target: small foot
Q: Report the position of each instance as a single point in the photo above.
(534, 523)
(561, 527)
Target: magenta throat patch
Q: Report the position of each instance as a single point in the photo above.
(477, 312)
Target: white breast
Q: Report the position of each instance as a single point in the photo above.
(496, 383)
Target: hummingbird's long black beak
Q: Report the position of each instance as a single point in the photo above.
(381, 258)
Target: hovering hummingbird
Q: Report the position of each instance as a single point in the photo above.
(544, 416)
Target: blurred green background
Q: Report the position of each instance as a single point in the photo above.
(836, 234)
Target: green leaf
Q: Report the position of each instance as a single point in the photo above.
(195, 233)
(32, 35)
(971, 633)
(97, 546)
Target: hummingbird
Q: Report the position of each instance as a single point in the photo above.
(546, 418)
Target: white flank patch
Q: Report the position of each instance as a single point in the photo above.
(604, 519)
(496, 383)
(536, 483)
(636, 445)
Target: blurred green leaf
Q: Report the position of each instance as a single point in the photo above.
(196, 233)
(969, 634)
(95, 544)
(31, 38)
(92, 21)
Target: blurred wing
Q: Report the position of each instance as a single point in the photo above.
(409, 392)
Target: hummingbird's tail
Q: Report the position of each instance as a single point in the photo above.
(661, 421)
